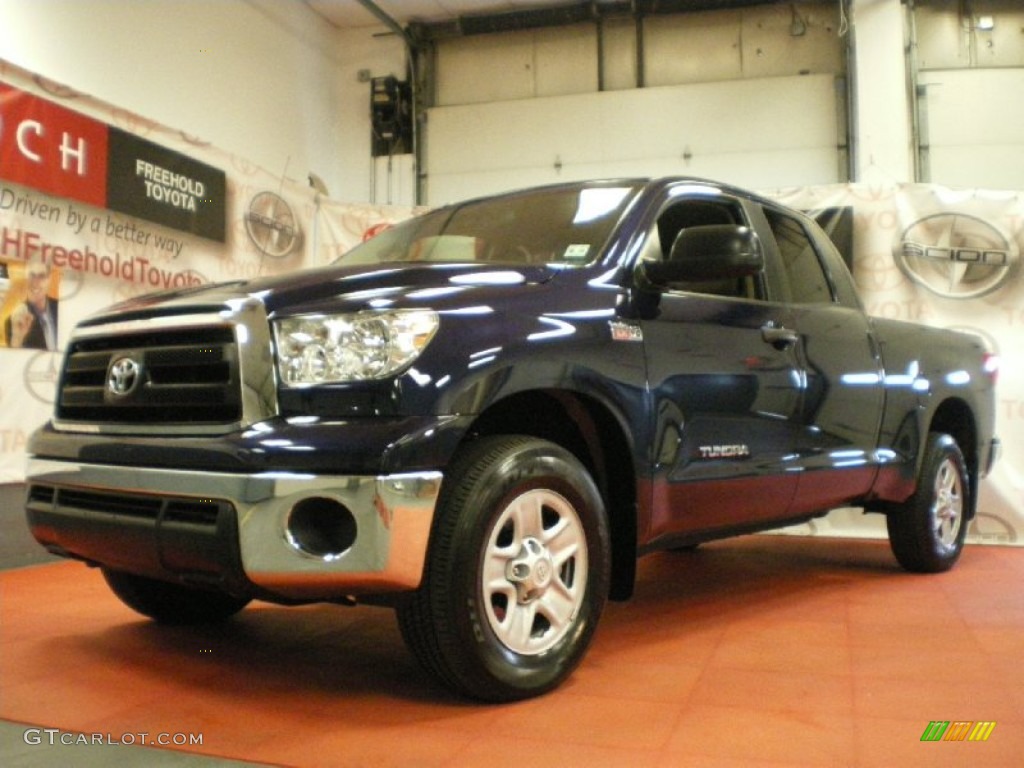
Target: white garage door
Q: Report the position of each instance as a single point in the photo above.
(972, 127)
(760, 133)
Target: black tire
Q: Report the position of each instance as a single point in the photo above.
(517, 574)
(172, 603)
(927, 533)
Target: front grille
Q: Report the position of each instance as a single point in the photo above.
(123, 506)
(184, 376)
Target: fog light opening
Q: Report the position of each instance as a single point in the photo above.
(321, 527)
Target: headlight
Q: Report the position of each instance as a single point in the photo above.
(328, 349)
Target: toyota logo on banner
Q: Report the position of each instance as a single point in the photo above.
(955, 255)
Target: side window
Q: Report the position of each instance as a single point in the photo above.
(695, 213)
(807, 281)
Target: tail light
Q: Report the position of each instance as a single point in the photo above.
(990, 364)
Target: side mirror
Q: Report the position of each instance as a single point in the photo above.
(712, 252)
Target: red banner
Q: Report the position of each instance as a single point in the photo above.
(52, 149)
(64, 154)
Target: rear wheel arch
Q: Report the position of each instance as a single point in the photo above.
(954, 417)
(927, 532)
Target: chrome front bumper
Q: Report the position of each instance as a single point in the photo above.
(392, 513)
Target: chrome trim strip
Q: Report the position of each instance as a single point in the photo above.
(393, 516)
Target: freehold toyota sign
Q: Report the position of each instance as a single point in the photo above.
(66, 154)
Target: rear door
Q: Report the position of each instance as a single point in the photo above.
(843, 397)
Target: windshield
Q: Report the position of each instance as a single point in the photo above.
(565, 225)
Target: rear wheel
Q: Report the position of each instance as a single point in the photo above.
(927, 533)
(172, 603)
(517, 574)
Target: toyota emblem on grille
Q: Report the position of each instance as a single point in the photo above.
(123, 376)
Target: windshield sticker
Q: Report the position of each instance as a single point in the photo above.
(577, 252)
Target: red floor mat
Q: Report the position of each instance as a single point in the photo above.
(789, 651)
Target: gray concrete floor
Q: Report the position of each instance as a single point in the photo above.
(17, 547)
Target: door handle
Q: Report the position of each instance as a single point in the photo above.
(779, 337)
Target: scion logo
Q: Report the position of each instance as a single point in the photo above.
(955, 255)
(272, 225)
(123, 376)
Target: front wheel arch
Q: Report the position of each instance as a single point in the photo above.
(599, 437)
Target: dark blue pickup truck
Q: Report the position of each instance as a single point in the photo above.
(484, 415)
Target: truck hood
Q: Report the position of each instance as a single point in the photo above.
(349, 288)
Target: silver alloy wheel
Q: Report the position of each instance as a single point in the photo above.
(534, 572)
(947, 509)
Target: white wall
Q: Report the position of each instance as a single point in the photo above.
(259, 78)
(678, 49)
(379, 53)
(970, 114)
(882, 125)
(272, 81)
(950, 37)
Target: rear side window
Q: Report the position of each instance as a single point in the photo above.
(806, 278)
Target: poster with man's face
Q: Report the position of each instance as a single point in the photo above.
(29, 294)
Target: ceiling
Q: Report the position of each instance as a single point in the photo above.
(348, 14)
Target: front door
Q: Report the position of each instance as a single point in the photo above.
(726, 391)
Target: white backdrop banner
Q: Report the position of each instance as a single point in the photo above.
(951, 259)
(947, 258)
(68, 248)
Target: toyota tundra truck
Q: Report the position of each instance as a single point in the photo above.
(484, 415)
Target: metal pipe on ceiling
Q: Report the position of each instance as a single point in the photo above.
(563, 15)
(387, 20)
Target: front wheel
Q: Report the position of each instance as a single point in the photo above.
(169, 603)
(518, 571)
(927, 533)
